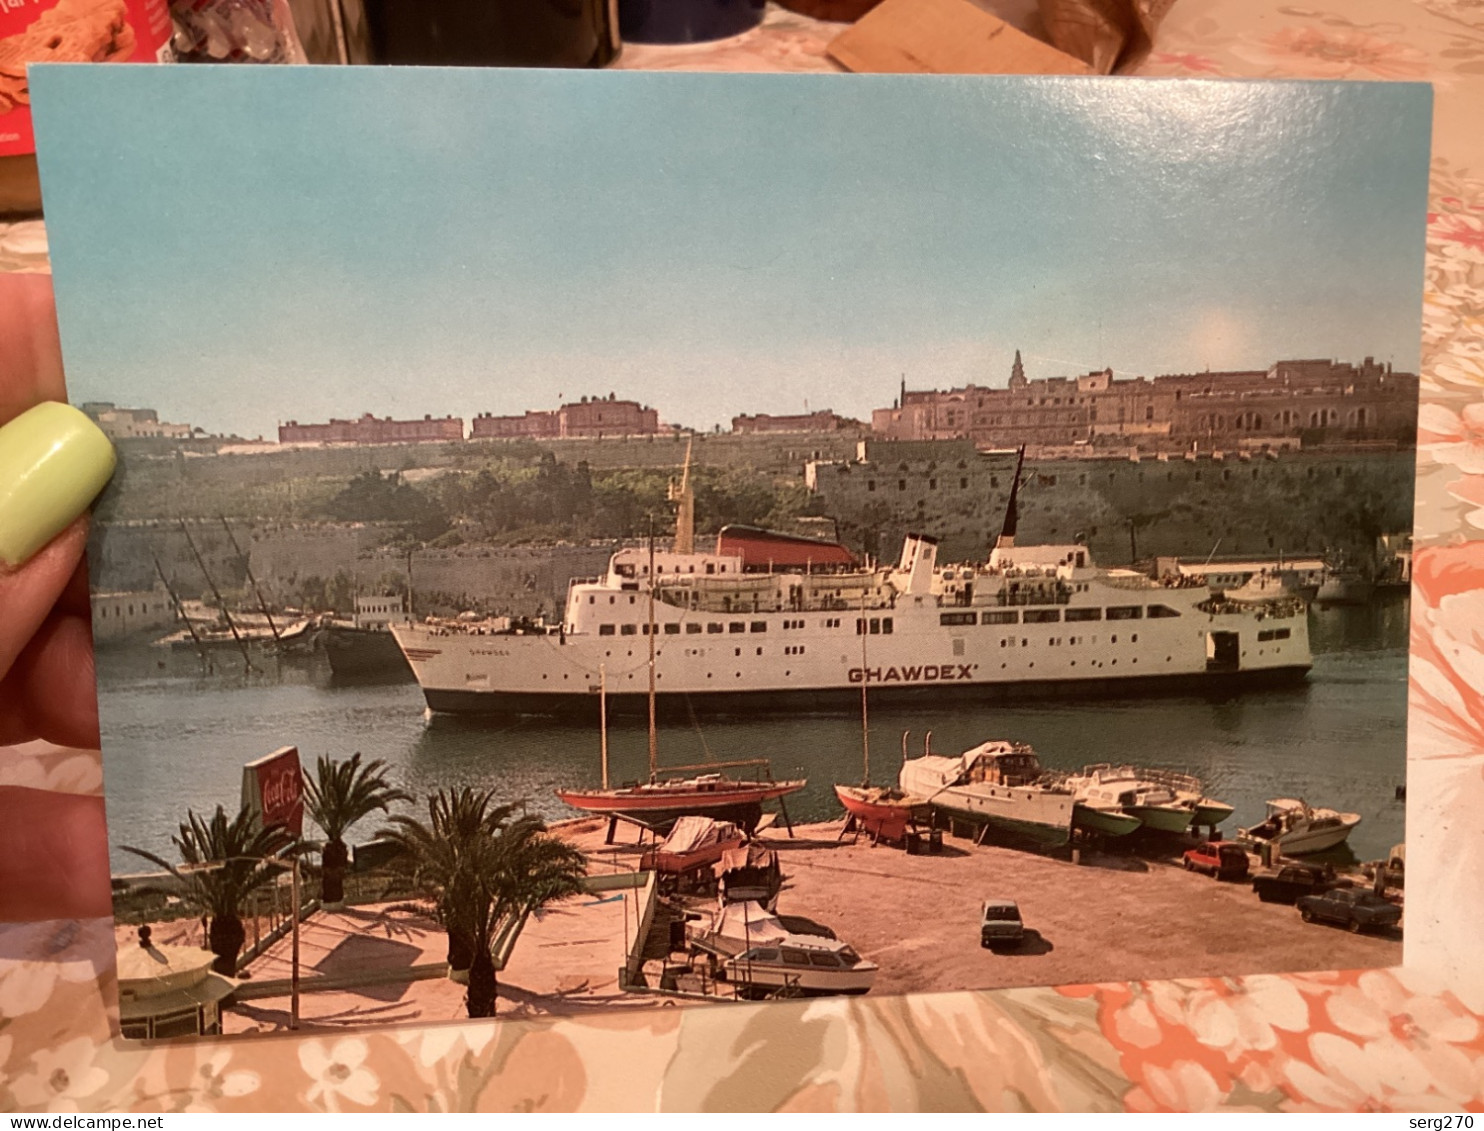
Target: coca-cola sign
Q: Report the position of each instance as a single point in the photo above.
(273, 789)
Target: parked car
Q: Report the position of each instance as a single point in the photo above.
(1292, 881)
(1355, 908)
(1000, 924)
(1224, 859)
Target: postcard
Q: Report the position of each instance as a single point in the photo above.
(603, 541)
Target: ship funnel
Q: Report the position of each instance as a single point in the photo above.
(923, 554)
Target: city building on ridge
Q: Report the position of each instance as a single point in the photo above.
(132, 423)
(1299, 403)
(822, 421)
(590, 418)
(369, 429)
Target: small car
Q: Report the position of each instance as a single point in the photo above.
(1000, 924)
(1292, 881)
(1355, 908)
(1224, 859)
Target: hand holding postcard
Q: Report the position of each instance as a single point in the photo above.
(689, 539)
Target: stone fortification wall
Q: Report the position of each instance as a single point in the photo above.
(1295, 503)
(515, 580)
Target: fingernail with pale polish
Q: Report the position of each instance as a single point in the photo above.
(53, 463)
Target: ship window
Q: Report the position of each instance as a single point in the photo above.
(1266, 634)
(860, 626)
(963, 484)
(761, 955)
(1000, 616)
(612, 599)
(901, 484)
(824, 960)
(886, 626)
(875, 626)
(644, 629)
(795, 958)
(628, 629)
(1084, 614)
(713, 627)
(957, 618)
(631, 600)
(692, 628)
(1042, 616)
(932, 484)
(1281, 634)
(710, 567)
(870, 484)
(759, 626)
(1156, 611)
(736, 651)
(605, 630)
(1125, 612)
(737, 626)
(672, 630)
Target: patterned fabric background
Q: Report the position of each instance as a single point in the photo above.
(1407, 1039)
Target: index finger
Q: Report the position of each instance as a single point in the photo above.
(30, 348)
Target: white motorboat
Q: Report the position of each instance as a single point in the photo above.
(1295, 828)
(763, 958)
(1129, 790)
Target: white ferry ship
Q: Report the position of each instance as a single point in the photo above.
(767, 622)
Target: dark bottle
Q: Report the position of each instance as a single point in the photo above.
(492, 33)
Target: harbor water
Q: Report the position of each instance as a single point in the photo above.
(175, 739)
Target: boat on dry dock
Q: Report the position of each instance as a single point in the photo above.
(1004, 783)
(1128, 790)
(763, 958)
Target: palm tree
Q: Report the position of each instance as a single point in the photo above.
(477, 865)
(529, 869)
(222, 863)
(438, 859)
(339, 795)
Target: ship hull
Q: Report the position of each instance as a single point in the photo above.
(835, 699)
(361, 653)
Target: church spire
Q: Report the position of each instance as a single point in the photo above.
(1017, 373)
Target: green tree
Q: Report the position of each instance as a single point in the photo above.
(478, 865)
(338, 795)
(222, 863)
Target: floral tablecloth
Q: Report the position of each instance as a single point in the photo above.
(1407, 1039)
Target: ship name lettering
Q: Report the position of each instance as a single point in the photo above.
(488, 652)
(912, 674)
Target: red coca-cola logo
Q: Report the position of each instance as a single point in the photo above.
(278, 782)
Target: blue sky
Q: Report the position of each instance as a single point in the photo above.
(237, 246)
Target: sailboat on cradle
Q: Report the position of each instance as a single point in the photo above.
(882, 812)
(668, 794)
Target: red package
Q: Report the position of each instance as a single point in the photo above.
(70, 31)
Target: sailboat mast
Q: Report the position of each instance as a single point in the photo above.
(217, 593)
(251, 580)
(603, 716)
(865, 719)
(653, 753)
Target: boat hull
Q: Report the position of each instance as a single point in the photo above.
(1108, 822)
(1209, 814)
(361, 653)
(878, 815)
(1161, 818)
(836, 699)
(805, 981)
(658, 807)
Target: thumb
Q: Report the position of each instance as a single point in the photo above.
(53, 462)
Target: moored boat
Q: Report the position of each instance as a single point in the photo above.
(1209, 812)
(1295, 828)
(769, 623)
